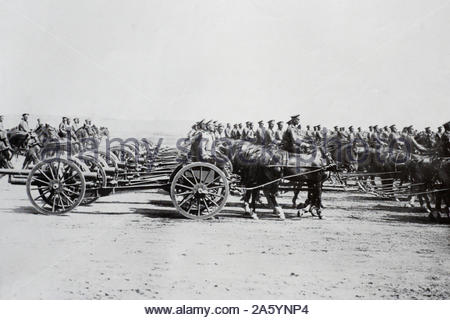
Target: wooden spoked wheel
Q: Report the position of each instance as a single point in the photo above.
(199, 190)
(92, 187)
(106, 157)
(125, 155)
(55, 186)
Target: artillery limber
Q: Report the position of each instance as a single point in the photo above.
(59, 184)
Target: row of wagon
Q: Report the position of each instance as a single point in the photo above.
(60, 183)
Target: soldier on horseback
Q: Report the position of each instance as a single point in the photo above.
(444, 142)
(269, 134)
(23, 124)
(5, 148)
(292, 137)
(260, 133)
(279, 132)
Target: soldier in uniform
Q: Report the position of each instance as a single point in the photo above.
(359, 135)
(410, 142)
(193, 131)
(227, 131)
(384, 134)
(438, 134)
(318, 135)
(244, 132)
(250, 133)
(235, 133)
(39, 124)
(428, 138)
(5, 148)
(240, 129)
(308, 132)
(395, 139)
(76, 124)
(279, 132)
(207, 139)
(374, 139)
(292, 141)
(269, 134)
(219, 133)
(88, 128)
(23, 124)
(444, 142)
(351, 135)
(260, 133)
(63, 128)
(335, 132)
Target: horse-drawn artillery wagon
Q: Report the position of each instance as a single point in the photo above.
(61, 183)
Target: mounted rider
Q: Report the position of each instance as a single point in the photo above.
(444, 142)
(235, 133)
(395, 140)
(279, 132)
(428, 138)
(269, 134)
(227, 131)
(411, 144)
(219, 132)
(23, 124)
(292, 137)
(374, 138)
(260, 133)
(203, 144)
(76, 124)
(63, 128)
(249, 133)
(5, 148)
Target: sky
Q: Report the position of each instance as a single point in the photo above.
(331, 61)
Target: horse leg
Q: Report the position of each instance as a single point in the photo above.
(297, 189)
(411, 202)
(246, 199)
(272, 200)
(255, 196)
(316, 201)
(26, 161)
(308, 202)
(427, 203)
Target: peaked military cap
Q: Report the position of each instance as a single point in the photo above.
(297, 116)
(447, 125)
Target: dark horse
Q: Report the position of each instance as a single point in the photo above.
(343, 154)
(387, 164)
(263, 168)
(53, 144)
(430, 175)
(26, 144)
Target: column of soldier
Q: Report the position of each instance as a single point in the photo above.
(293, 133)
(65, 128)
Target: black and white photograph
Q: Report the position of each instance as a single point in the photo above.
(225, 150)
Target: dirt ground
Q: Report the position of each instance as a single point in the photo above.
(136, 246)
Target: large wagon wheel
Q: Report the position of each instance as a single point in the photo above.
(94, 165)
(125, 155)
(199, 190)
(55, 186)
(108, 157)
